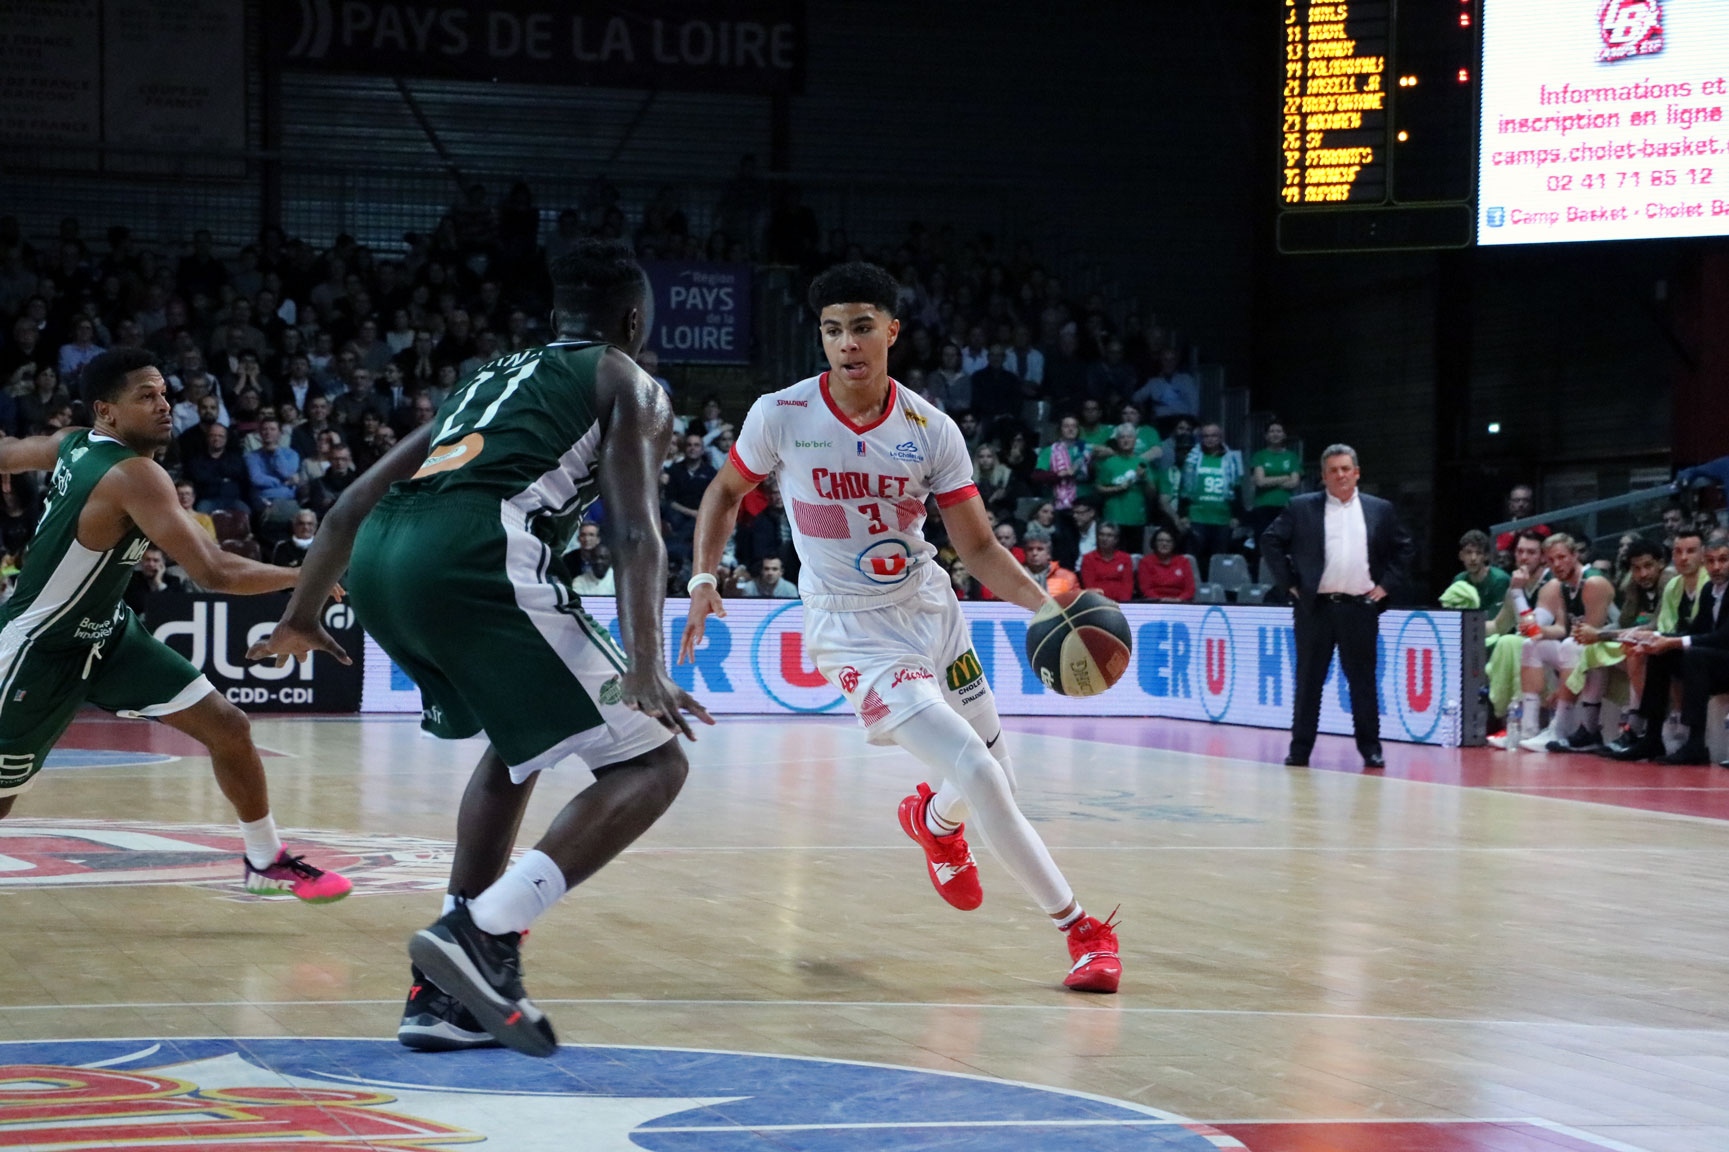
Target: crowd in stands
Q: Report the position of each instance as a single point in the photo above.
(1636, 623)
(293, 367)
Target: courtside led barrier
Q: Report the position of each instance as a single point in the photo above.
(1223, 664)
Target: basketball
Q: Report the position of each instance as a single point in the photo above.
(1079, 643)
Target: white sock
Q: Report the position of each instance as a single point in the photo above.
(530, 886)
(946, 743)
(1533, 719)
(449, 905)
(948, 808)
(1068, 921)
(263, 845)
(1563, 714)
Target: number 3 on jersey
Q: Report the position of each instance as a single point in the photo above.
(874, 511)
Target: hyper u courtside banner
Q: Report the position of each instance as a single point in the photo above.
(1222, 664)
(214, 631)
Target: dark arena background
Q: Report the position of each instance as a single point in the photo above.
(1155, 262)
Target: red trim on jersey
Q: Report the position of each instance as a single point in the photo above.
(950, 499)
(743, 468)
(860, 429)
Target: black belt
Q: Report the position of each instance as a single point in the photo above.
(1342, 598)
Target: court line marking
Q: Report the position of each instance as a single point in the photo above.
(901, 1005)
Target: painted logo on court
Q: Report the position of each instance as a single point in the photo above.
(43, 853)
(1218, 659)
(342, 1095)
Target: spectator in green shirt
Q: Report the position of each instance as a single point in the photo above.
(1149, 447)
(1065, 466)
(1210, 478)
(1277, 473)
(1490, 582)
(1093, 428)
(1123, 482)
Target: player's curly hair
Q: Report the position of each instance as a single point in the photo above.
(104, 378)
(855, 283)
(594, 273)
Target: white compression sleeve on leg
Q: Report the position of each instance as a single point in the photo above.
(945, 742)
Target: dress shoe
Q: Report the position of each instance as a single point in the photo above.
(1374, 762)
(1692, 752)
(1646, 747)
(1296, 761)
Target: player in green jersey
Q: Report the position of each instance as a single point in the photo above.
(457, 572)
(66, 637)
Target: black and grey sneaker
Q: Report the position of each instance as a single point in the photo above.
(484, 972)
(435, 1021)
(1582, 740)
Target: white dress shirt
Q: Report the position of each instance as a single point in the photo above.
(1347, 569)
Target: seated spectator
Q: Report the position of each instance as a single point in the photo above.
(1023, 359)
(79, 352)
(1042, 525)
(1123, 483)
(1108, 570)
(1490, 582)
(769, 583)
(304, 439)
(219, 477)
(47, 394)
(1047, 573)
(596, 578)
(998, 394)
(1111, 380)
(961, 581)
(19, 513)
(323, 492)
(1674, 519)
(1521, 502)
(188, 497)
(1076, 534)
(1172, 393)
(769, 534)
(291, 553)
(351, 408)
(1064, 466)
(579, 558)
(273, 469)
(720, 446)
(418, 411)
(299, 387)
(1094, 430)
(1276, 473)
(996, 484)
(1165, 575)
(1009, 537)
(1211, 475)
(683, 482)
(950, 384)
(150, 578)
(1573, 596)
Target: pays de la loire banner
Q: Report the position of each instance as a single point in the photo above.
(701, 311)
(214, 631)
(1226, 665)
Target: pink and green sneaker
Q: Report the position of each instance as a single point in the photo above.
(294, 876)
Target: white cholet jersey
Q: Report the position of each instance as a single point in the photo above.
(855, 494)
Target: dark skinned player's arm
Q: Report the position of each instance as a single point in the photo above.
(633, 444)
(141, 491)
(327, 559)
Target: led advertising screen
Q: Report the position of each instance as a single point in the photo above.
(1223, 664)
(1603, 120)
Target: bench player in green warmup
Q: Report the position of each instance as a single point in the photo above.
(67, 638)
(458, 574)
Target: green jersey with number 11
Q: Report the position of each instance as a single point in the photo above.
(525, 430)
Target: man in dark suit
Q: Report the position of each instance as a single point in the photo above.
(1337, 551)
(1698, 653)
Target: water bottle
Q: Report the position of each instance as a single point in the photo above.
(1515, 723)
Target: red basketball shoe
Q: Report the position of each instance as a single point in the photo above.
(947, 858)
(1093, 948)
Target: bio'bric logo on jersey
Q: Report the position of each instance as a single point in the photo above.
(813, 443)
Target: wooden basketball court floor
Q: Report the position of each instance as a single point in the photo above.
(1475, 950)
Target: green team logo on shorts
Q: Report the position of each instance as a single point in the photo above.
(16, 769)
(964, 672)
(612, 691)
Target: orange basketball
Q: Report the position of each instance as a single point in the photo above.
(1079, 643)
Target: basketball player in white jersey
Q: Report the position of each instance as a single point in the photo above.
(857, 457)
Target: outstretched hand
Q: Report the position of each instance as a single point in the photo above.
(294, 641)
(704, 602)
(653, 694)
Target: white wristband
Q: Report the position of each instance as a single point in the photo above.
(699, 580)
